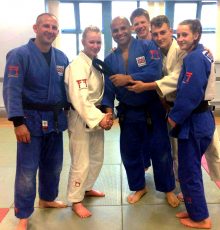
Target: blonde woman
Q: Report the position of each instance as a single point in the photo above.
(84, 85)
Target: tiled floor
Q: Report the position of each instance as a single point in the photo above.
(109, 213)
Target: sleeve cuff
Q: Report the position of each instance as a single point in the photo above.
(17, 121)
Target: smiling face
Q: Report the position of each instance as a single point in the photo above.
(186, 39)
(92, 43)
(121, 31)
(46, 29)
(141, 27)
(162, 36)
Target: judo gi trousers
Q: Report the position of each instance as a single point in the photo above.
(146, 154)
(190, 175)
(213, 157)
(43, 152)
(132, 139)
(87, 155)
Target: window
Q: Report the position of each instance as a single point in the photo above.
(85, 10)
(75, 15)
(209, 17)
(68, 45)
(143, 4)
(74, 18)
(184, 11)
(208, 20)
(127, 6)
(206, 11)
(67, 19)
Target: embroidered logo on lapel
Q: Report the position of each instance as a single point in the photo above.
(60, 70)
(141, 61)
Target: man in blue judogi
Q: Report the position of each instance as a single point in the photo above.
(141, 115)
(34, 97)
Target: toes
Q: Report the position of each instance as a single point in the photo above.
(81, 211)
(182, 215)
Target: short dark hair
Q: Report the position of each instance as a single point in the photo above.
(159, 21)
(139, 12)
(44, 14)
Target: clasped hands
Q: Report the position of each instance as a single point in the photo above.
(128, 82)
(107, 121)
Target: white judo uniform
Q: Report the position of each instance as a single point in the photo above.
(167, 85)
(84, 85)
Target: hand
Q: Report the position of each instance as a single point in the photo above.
(120, 79)
(137, 86)
(110, 121)
(172, 122)
(107, 122)
(113, 49)
(22, 134)
(210, 55)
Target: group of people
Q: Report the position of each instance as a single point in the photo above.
(155, 78)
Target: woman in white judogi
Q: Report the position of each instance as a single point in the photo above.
(85, 86)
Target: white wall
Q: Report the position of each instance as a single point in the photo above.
(16, 20)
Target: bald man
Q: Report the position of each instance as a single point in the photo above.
(139, 60)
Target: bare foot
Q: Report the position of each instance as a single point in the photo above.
(182, 215)
(172, 199)
(94, 193)
(136, 196)
(22, 225)
(51, 204)
(180, 197)
(80, 210)
(204, 224)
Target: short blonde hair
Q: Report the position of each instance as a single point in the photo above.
(90, 28)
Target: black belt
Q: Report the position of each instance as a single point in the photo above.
(102, 67)
(140, 108)
(40, 107)
(203, 107)
(53, 108)
(170, 103)
(133, 107)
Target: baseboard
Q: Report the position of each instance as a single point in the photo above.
(2, 112)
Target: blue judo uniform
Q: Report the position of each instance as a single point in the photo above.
(134, 111)
(194, 130)
(29, 83)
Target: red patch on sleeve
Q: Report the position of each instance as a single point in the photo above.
(82, 83)
(13, 71)
(188, 76)
(154, 54)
